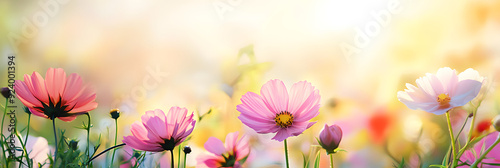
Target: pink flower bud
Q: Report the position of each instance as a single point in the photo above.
(329, 138)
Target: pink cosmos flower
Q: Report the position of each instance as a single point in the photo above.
(38, 149)
(158, 132)
(279, 111)
(232, 153)
(471, 155)
(329, 138)
(438, 93)
(56, 96)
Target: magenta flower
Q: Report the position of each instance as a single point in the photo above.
(56, 96)
(278, 111)
(438, 93)
(158, 132)
(329, 138)
(232, 153)
(471, 155)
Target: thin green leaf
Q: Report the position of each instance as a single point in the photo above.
(476, 140)
(493, 164)
(316, 161)
(461, 129)
(243, 160)
(402, 164)
(305, 160)
(339, 149)
(446, 157)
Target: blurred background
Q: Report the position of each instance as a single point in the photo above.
(204, 55)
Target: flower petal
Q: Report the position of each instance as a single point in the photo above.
(38, 112)
(209, 160)
(85, 108)
(470, 74)
(242, 148)
(439, 111)
(67, 119)
(466, 91)
(303, 98)
(183, 125)
(135, 143)
(25, 96)
(326, 136)
(231, 140)
(74, 83)
(186, 133)
(298, 127)
(281, 135)
(275, 95)
(36, 84)
(430, 84)
(154, 121)
(215, 146)
(142, 133)
(415, 98)
(175, 116)
(253, 103)
(307, 115)
(260, 126)
(448, 78)
(55, 80)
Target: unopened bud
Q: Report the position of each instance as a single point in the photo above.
(187, 149)
(329, 138)
(115, 113)
(496, 123)
(5, 92)
(73, 144)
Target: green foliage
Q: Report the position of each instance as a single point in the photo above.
(67, 156)
(402, 164)
(316, 161)
(306, 161)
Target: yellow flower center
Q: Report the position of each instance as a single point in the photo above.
(443, 99)
(284, 119)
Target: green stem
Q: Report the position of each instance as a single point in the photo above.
(472, 125)
(113, 147)
(116, 137)
(461, 129)
(469, 137)
(486, 152)
(286, 154)
(55, 137)
(179, 157)
(172, 158)
(453, 148)
(24, 149)
(331, 161)
(26, 139)
(88, 136)
(185, 157)
(28, 129)
(446, 158)
(1, 132)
